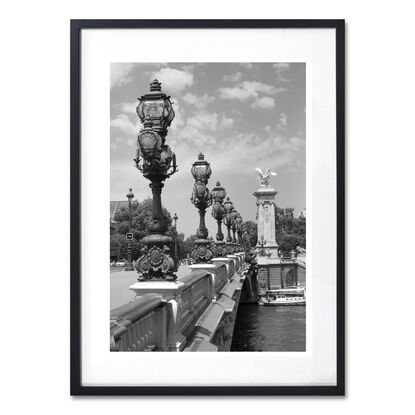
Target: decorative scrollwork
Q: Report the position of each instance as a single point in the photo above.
(162, 164)
(203, 251)
(220, 250)
(155, 264)
(229, 248)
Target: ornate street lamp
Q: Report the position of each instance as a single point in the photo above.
(218, 212)
(234, 215)
(228, 205)
(156, 162)
(202, 199)
(129, 236)
(175, 217)
(263, 251)
(157, 107)
(239, 229)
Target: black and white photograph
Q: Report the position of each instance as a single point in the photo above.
(208, 237)
(210, 218)
(206, 207)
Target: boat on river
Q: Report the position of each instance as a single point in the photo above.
(289, 296)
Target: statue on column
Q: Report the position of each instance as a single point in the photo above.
(265, 201)
(264, 178)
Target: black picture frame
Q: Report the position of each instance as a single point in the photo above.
(76, 26)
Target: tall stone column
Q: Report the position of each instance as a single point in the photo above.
(265, 201)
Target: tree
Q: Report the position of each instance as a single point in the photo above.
(141, 219)
(288, 243)
(251, 234)
(290, 232)
(189, 245)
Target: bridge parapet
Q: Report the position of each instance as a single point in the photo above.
(229, 263)
(218, 273)
(164, 315)
(135, 326)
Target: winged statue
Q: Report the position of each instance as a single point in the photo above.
(264, 178)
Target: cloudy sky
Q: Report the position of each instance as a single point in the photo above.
(239, 115)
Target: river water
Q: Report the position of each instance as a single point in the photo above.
(269, 329)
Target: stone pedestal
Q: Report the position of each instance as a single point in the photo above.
(265, 196)
(167, 289)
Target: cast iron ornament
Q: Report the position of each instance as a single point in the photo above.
(202, 199)
(156, 161)
(203, 252)
(227, 220)
(220, 249)
(155, 264)
(218, 212)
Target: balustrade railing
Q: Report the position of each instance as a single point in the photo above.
(136, 326)
(152, 322)
(194, 298)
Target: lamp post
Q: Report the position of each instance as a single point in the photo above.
(129, 264)
(239, 228)
(202, 199)
(175, 217)
(263, 251)
(234, 215)
(218, 212)
(156, 162)
(228, 205)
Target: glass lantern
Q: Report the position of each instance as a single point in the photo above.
(157, 107)
(201, 170)
(218, 193)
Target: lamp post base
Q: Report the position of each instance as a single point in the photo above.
(129, 267)
(219, 249)
(203, 251)
(156, 264)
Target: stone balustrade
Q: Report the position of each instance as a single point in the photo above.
(195, 313)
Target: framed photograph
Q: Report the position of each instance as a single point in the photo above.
(218, 146)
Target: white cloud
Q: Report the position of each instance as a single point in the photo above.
(236, 77)
(123, 123)
(236, 92)
(190, 98)
(120, 74)
(264, 102)
(173, 80)
(178, 120)
(248, 90)
(119, 142)
(256, 87)
(227, 122)
(245, 149)
(206, 121)
(199, 102)
(283, 121)
(201, 132)
(280, 68)
(246, 65)
(127, 107)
